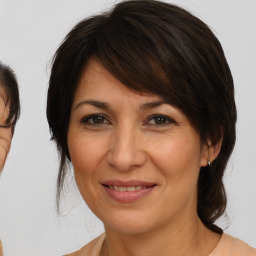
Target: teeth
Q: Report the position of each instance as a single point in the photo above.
(122, 189)
(130, 189)
(127, 189)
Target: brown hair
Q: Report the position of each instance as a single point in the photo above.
(152, 46)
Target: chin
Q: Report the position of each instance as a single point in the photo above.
(132, 223)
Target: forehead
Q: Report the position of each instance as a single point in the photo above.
(96, 81)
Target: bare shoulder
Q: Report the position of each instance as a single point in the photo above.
(91, 249)
(241, 248)
(1, 249)
(229, 245)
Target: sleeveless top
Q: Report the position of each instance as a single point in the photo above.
(227, 246)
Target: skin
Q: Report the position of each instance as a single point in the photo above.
(5, 136)
(127, 142)
(5, 133)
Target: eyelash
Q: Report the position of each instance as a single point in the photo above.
(90, 120)
(167, 120)
(86, 120)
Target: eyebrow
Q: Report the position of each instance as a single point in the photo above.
(94, 103)
(153, 104)
(106, 106)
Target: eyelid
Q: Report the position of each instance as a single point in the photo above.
(85, 119)
(168, 118)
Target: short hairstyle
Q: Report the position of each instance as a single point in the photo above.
(9, 83)
(159, 48)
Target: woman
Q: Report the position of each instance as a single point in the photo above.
(141, 102)
(9, 113)
(9, 110)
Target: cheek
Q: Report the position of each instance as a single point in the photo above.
(86, 154)
(179, 163)
(176, 155)
(83, 156)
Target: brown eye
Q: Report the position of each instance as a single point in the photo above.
(159, 120)
(98, 120)
(95, 119)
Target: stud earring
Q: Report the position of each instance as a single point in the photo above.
(209, 163)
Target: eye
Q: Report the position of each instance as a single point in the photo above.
(159, 120)
(95, 120)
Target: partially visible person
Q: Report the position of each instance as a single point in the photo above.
(9, 113)
(9, 109)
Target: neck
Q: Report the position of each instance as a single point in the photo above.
(190, 237)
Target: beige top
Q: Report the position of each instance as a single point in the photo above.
(227, 246)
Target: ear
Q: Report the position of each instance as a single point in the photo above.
(210, 152)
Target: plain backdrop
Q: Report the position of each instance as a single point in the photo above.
(30, 32)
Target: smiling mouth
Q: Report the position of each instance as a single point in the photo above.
(128, 189)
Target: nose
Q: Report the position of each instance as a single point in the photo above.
(126, 149)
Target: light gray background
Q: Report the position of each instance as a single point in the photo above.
(30, 32)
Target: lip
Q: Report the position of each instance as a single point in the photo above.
(130, 183)
(127, 196)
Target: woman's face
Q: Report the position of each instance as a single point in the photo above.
(5, 133)
(136, 158)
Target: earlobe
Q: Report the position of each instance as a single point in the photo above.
(210, 153)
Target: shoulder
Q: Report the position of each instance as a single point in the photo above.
(91, 249)
(229, 245)
(1, 249)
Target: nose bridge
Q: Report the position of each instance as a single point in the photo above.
(125, 151)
